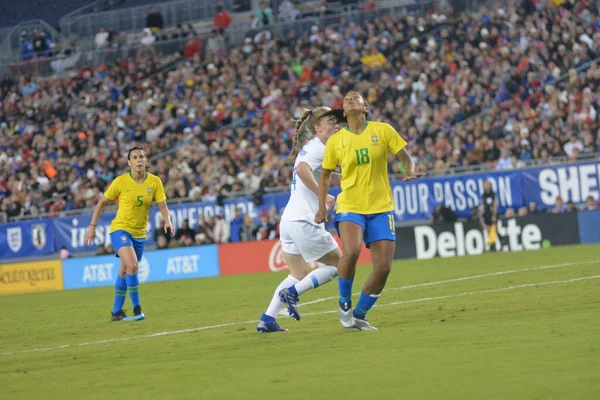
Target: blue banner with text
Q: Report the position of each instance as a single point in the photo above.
(159, 265)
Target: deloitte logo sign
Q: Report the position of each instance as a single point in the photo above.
(430, 242)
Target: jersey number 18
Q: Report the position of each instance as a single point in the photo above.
(362, 156)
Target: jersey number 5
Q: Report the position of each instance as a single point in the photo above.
(362, 156)
(140, 202)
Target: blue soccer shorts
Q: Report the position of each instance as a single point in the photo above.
(123, 238)
(376, 227)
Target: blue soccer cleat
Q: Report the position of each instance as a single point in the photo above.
(269, 324)
(138, 315)
(290, 300)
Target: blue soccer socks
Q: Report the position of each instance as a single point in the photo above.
(120, 292)
(345, 288)
(365, 303)
(133, 285)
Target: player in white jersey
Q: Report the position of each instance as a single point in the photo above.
(302, 240)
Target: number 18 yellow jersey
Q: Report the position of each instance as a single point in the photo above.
(363, 159)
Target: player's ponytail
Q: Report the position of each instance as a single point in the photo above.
(305, 127)
(297, 129)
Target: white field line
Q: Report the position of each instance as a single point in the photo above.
(465, 278)
(450, 296)
(203, 328)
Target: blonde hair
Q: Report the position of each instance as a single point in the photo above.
(305, 127)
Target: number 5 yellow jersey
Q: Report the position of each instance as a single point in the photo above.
(134, 200)
(364, 162)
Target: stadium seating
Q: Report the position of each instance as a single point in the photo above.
(495, 89)
(12, 13)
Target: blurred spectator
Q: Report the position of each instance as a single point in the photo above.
(443, 214)
(185, 232)
(265, 230)
(216, 43)
(505, 161)
(474, 214)
(273, 215)
(154, 20)
(533, 208)
(205, 229)
(264, 15)
(162, 242)
(573, 146)
(160, 231)
(192, 47)
(64, 253)
(101, 250)
(287, 12)
(221, 20)
(509, 213)
(236, 225)
(590, 204)
(113, 37)
(202, 239)
(571, 206)
(147, 37)
(559, 206)
(522, 212)
(248, 229)
(101, 38)
(221, 230)
(27, 52)
(40, 44)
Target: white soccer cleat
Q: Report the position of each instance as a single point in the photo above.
(362, 324)
(346, 318)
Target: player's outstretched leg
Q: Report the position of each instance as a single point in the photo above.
(130, 259)
(268, 322)
(352, 239)
(382, 253)
(298, 270)
(118, 313)
(316, 278)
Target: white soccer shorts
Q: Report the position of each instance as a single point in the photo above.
(309, 240)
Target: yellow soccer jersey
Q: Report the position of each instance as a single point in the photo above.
(364, 162)
(134, 200)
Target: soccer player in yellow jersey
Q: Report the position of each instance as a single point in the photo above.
(134, 192)
(365, 205)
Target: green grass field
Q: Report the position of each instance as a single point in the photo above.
(500, 333)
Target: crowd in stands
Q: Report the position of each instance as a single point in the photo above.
(225, 117)
(215, 230)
